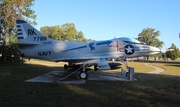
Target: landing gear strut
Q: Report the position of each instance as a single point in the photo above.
(127, 67)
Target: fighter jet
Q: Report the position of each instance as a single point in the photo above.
(34, 44)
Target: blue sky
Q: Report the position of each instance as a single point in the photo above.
(106, 19)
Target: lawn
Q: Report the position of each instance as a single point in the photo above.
(172, 68)
(151, 90)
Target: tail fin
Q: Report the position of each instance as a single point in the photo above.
(28, 35)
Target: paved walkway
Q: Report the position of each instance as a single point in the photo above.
(157, 70)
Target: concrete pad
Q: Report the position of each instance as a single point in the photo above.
(56, 76)
(53, 77)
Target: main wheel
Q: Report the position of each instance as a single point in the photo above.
(65, 66)
(83, 75)
(95, 67)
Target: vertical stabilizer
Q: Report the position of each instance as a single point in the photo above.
(27, 34)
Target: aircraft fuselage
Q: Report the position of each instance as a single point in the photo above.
(62, 50)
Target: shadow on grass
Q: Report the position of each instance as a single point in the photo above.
(167, 63)
(173, 65)
(149, 90)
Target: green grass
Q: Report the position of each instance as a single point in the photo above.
(150, 90)
(139, 67)
(173, 69)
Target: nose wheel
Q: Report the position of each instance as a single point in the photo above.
(127, 67)
(127, 74)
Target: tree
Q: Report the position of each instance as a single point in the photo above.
(70, 31)
(150, 37)
(80, 37)
(164, 57)
(67, 32)
(10, 11)
(173, 52)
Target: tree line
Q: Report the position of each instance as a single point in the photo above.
(11, 10)
(65, 32)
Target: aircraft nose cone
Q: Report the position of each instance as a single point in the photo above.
(155, 50)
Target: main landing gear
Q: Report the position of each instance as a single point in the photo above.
(83, 72)
(77, 69)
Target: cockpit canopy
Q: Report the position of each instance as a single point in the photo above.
(130, 40)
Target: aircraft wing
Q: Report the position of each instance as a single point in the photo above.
(100, 61)
(80, 59)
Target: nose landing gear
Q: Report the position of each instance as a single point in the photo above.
(127, 67)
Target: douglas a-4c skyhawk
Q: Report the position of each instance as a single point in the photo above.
(34, 44)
